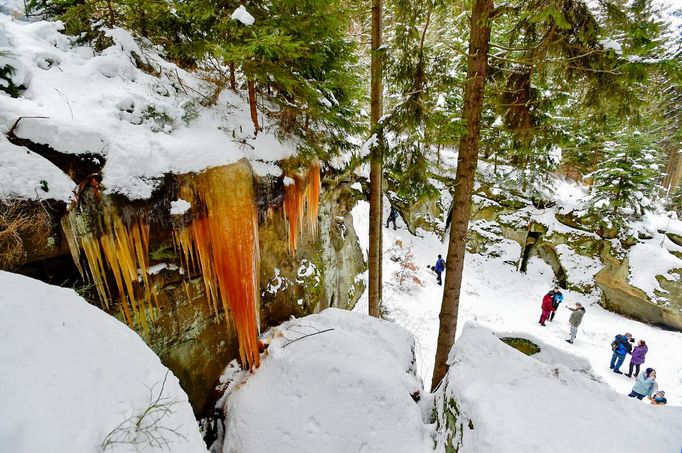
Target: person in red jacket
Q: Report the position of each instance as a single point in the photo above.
(547, 307)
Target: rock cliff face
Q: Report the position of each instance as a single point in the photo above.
(620, 296)
(581, 259)
(166, 302)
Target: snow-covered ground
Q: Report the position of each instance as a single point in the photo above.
(144, 125)
(520, 404)
(76, 380)
(499, 297)
(342, 390)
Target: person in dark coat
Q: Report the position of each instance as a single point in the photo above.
(546, 307)
(557, 298)
(439, 268)
(575, 319)
(392, 216)
(637, 357)
(621, 347)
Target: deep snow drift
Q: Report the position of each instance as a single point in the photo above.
(519, 404)
(73, 377)
(345, 390)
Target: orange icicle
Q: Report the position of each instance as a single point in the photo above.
(118, 253)
(313, 197)
(223, 240)
(292, 212)
(302, 196)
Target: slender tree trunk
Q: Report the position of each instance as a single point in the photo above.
(376, 167)
(112, 16)
(252, 105)
(477, 66)
(233, 79)
(672, 176)
(144, 25)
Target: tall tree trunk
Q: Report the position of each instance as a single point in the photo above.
(233, 79)
(477, 65)
(112, 16)
(376, 167)
(252, 105)
(673, 170)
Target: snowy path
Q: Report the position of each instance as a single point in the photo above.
(504, 300)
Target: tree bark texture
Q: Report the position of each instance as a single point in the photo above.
(233, 80)
(673, 173)
(376, 167)
(477, 65)
(252, 106)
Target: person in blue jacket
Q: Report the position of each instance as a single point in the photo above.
(439, 268)
(645, 385)
(621, 347)
(557, 298)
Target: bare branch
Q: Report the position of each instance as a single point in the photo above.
(306, 336)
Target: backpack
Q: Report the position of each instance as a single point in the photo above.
(615, 343)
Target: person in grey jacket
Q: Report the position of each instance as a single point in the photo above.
(575, 319)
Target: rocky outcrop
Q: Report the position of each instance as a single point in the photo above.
(620, 296)
(426, 213)
(581, 260)
(194, 337)
(323, 271)
(341, 255)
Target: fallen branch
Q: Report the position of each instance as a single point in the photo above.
(10, 134)
(306, 336)
(76, 166)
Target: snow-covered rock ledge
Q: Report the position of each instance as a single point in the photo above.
(342, 390)
(496, 399)
(76, 380)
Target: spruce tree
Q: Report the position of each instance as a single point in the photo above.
(625, 182)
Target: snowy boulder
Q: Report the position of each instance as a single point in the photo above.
(24, 174)
(343, 390)
(76, 380)
(496, 399)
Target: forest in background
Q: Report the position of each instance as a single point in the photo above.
(588, 90)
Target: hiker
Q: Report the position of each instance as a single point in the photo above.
(659, 399)
(620, 346)
(557, 298)
(439, 268)
(575, 319)
(645, 385)
(637, 357)
(392, 216)
(546, 307)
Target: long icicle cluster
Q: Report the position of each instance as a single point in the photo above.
(301, 195)
(115, 254)
(222, 243)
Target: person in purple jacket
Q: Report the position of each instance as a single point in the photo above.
(637, 358)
